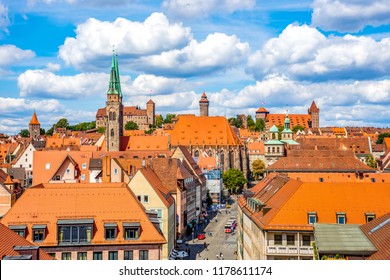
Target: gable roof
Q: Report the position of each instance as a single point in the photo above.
(148, 142)
(295, 119)
(9, 239)
(203, 130)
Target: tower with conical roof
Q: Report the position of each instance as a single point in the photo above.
(34, 127)
(151, 112)
(204, 105)
(287, 133)
(314, 112)
(114, 108)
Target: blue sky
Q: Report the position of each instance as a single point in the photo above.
(55, 58)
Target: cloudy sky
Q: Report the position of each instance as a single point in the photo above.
(55, 57)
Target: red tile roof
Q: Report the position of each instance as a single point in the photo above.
(9, 239)
(378, 231)
(34, 119)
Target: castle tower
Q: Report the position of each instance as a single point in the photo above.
(287, 133)
(314, 112)
(34, 127)
(262, 113)
(204, 105)
(150, 112)
(114, 109)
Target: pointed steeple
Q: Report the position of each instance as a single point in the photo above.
(114, 86)
(313, 108)
(34, 119)
(287, 122)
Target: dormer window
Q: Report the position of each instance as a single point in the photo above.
(131, 230)
(370, 217)
(19, 229)
(110, 231)
(39, 233)
(341, 218)
(312, 218)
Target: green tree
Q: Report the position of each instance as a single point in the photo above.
(260, 125)
(42, 131)
(258, 167)
(159, 121)
(237, 122)
(63, 123)
(169, 117)
(102, 129)
(280, 129)
(131, 126)
(250, 122)
(50, 131)
(371, 162)
(298, 127)
(234, 179)
(381, 137)
(24, 133)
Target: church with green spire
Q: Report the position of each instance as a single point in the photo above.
(114, 109)
(114, 116)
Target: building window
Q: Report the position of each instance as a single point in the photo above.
(66, 256)
(278, 239)
(321, 180)
(80, 231)
(115, 171)
(278, 149)
(38, 235)
(290, 239)
(306, 240)
(373, 180)
(81, 256)
(112, 132)
(146, 199)
(341, 218)
(84, 166)
(67, 171)
(139, 197)
(273, 149)
(97, 256)
(143, 254)
(82, 177)
(113, 255)
(20, 232)
(131, 230)
(370, 217)
(312, 218)
(47, 166)
(110, 231)
(269, 149)
(128, 255)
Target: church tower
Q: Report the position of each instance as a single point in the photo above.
(204, 105)
(151, 112)
(34, 127)
(314, 112)
(114, 109)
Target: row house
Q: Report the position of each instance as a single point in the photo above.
(87, 222)
(276, 218)
(10, 191)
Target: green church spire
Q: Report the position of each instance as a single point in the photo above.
(114, 86)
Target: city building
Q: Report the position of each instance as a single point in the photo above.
(86, 222)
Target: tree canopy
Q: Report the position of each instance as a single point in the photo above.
(24, 133)
(297, 127)
(234, 179)
(63, 123)
(258, 167)
(83, 126)
(131, 126)
(250, 122)
(260, 125)
(237, 122)
(381, 137)
(169, 117)
(159, 121)
(371, 162)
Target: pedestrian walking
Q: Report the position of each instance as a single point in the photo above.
(217, 256)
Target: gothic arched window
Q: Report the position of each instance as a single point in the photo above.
(110, 116)
(112, 132)
(114, 116)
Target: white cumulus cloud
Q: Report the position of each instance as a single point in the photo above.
(203, 8)
(42, 83)
(304, 52)
(10, 55)
(4, 19)
(217, 52)
(95, 39)
(350, 15)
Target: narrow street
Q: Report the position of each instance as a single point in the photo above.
(216, 238)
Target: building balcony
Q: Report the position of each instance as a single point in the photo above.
(287, 250)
